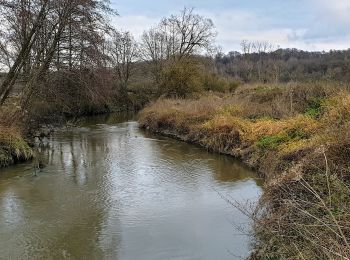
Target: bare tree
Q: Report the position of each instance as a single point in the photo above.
(123, 52)
(189, 33)
(255, 58)
(47, 29)
(24, 51)
(177, 37)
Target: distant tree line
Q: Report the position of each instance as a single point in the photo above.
(263, 62)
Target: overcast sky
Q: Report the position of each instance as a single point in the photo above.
(303, 24)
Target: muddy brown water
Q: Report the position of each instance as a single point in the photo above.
(112, 191)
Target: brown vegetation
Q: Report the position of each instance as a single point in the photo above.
(13, 148)
(296, 137)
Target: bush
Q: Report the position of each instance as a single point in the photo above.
(216, 83)
(212, 82)
(180, 79)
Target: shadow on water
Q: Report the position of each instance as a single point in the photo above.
(110, 190)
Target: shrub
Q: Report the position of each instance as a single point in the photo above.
(180, 79)
(212, 82)
(217, 83)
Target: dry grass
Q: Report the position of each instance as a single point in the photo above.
(13, 146)
(297, 136)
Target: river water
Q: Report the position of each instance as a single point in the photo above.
(112, 191)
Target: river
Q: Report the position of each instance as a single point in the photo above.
(112, 191)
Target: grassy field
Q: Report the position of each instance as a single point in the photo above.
(297, 137)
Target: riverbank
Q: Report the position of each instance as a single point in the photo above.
(296, 136)
(13, 147)
(19, 128)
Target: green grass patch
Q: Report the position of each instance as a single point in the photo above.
(272, 142)
(315, 107)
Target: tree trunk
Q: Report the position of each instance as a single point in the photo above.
(23, 55)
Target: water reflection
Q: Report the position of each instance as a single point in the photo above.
(112, 191)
